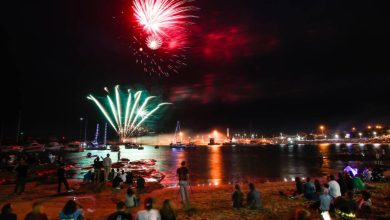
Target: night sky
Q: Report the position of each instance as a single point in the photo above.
(268, 66)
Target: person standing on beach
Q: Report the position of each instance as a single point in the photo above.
(22, 170)
(119, 155)
(62, 178)
(182, 173)
(97, 166)
(107, 163)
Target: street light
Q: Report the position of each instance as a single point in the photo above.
(374, 133)
(360, 134)
(81, 128)
(322, 128)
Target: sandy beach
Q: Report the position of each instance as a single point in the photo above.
(207, 201)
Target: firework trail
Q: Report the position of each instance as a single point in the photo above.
(160, 34)
(137, 109)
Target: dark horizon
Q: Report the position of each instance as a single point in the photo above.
(280, 66)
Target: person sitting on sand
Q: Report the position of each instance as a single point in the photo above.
(112, 174)
(301, 214)
(310, 190)
(348, 177)
(167, 211)
(129, 178)
(87, 177)
(140, 183)
(325, 199)
(36, 213)
(317, 184)
(365, 204)
(148, 213)
(342, 183)
(358, 183)
(123, 176)
(6, 212)
(116, 182)
(298, 186)
(71, 212)
(345, 206)
(334, 187)
(253, 198)
(120, 213)
(131, 199)
(238, 197)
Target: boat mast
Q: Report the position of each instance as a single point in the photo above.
(105, 134)
(96, 134)
(177, 131)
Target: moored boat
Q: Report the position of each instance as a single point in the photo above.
(73, 147)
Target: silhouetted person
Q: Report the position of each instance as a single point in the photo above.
(120, 213)
(325, 199)
(238, 197)
(168, 212)
(348, 178)
(310, 190)
(97, 165)
(107, 163)
(6, 212)
(342, 183)
(253, 198)
(131, 199)
(61, 175)
(365, 204)
(36, 213)
(116, 182)
(298, 186)
(334, 187)
(318, 187)
(183, 177)
(71, 212)
(129, 178)
(22, 171)
(301, 214)
(140, 183)
(148, 213)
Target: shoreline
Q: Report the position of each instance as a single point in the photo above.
(207, 202)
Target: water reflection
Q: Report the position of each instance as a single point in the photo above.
(215, 165)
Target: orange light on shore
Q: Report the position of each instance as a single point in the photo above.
(369, 127)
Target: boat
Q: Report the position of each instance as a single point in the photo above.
(114, 148)
(11, 149)
(54, 146)
(34, 147)
(131, 146)
(95, 146)
(73, 147)
(140, 147)
(156, 147)
(177, 145)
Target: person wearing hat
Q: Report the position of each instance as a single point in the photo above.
(148, 213)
